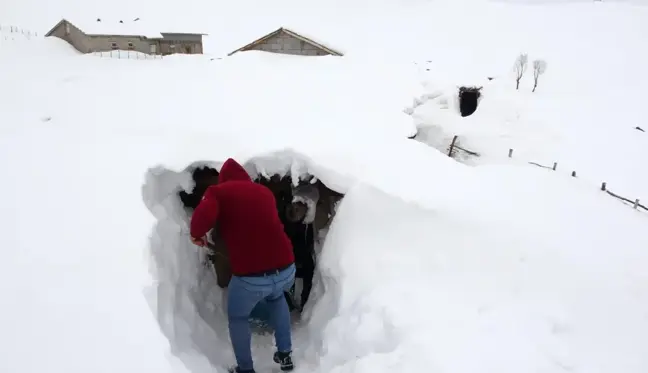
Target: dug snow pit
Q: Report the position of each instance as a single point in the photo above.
(191, 286)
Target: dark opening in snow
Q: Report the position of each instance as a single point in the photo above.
(202, 177)
(468, 100)
(306, 211)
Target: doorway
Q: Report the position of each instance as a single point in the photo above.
(468, 100)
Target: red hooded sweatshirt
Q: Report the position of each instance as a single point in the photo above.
(248, 222)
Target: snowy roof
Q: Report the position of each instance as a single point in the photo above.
(293, 34)
(123, 27)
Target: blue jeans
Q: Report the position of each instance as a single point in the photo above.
(244, 293)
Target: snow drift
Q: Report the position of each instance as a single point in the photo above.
(496, 262)
(509, 279)
(429, 265)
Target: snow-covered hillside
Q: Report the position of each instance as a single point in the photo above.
(485, 265)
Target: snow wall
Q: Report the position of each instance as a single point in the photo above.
(189, 305)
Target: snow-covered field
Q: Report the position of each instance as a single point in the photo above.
(484, 265)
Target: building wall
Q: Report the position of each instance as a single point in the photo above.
(181, 43)
(286, 44)
(105, 43)
(180, 46)
(75, 37)
(184, 43)
(183, 37)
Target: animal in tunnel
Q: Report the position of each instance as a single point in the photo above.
(303, 240)
(306, 210)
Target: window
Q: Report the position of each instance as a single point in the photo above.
(130, 46)
(67, 29)
(153, 49)
(113, 45)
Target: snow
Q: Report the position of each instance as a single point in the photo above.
(128, 27)
(489, 291)
(482, 264)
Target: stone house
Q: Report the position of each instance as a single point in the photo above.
(285, 41)
(102, 36)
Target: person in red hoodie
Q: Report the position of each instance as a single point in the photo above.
(261, 258)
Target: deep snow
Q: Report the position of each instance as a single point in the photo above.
(429, 264)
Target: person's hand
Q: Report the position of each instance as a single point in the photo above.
(199, 241)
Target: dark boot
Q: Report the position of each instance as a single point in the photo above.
(284, 360)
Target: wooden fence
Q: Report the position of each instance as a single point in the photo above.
(635, 204)
(127, 55)
(454, 147)
(8, 32)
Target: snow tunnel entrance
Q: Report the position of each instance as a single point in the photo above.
(468, 100)
(306, 211)
(202, 177)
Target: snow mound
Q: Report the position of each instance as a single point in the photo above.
(428, 265)
(468, 280)
(130, 27)
(185, 297)
(501, 122)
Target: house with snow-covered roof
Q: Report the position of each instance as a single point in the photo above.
(136, 35)
(285, 41)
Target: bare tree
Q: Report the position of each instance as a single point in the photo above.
(539, 68)
(520, 68)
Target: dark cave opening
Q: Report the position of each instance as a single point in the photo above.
(468, 100)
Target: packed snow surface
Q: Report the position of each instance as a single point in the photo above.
(485, 265)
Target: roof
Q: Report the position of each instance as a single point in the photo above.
(293, 34)
(101, 26)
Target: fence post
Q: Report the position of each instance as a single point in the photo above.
(555, 166)
(510, 153)
(603, 186)
(636, 204)
(452, 146)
